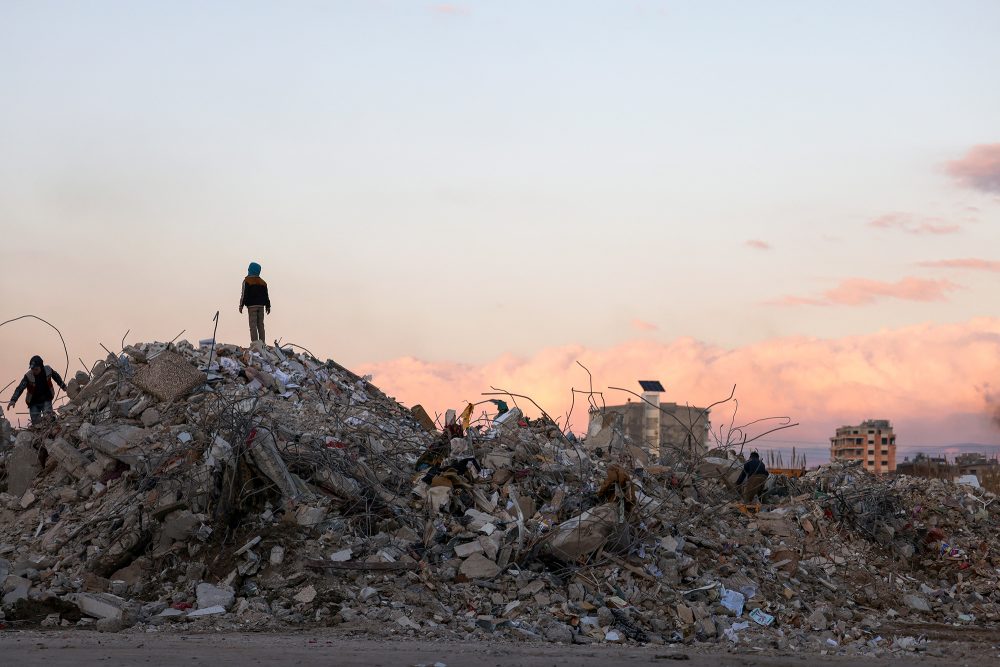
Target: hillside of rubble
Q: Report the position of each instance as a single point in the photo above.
(227, 488)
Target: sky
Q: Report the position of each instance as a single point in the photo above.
(798, 199)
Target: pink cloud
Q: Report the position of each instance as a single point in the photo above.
(863, 291)
(979, 169)
(757, 244)
(892, 374)
(860, 291)
(790, 300)
(640, 325)
(450, 10)
(968, 263)
(910, 224)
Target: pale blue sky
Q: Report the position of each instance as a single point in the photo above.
(496, 178)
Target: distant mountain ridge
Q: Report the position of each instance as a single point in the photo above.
(819, 454)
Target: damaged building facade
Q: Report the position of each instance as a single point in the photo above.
(658, 430)
(968, 468)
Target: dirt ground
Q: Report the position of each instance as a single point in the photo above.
(70, 649)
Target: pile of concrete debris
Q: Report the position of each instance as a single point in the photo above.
(222, 487)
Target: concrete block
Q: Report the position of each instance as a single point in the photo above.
(207, 611)
(168, 377)
(22, 468)
(213, 596)
(69, 457)
(114, 440)
(105, 605)
(15, 588)
(477, 566)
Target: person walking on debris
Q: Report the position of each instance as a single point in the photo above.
(752, 478)
(38, 382)
(256, 300)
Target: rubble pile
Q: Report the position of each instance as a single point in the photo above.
(261, 488)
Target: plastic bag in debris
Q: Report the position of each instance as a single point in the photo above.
(230, 366)
(731, 631)
(733, 601)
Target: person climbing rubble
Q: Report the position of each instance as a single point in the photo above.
(254, 296)
(38, 382)
(752, 479)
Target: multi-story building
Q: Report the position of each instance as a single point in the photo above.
(659, 428)
(872, 442)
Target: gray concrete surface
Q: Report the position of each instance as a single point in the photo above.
(66, 649)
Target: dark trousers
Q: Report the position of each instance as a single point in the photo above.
(38, 409)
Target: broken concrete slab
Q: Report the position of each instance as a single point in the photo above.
(583, 534)
(467, 549)
(214, 596)
(15, 588)
(69, 457)
(168, 377)
(22, 467)
(114, 440)
(150, 417)
(477, 566)
(207, 611)
(180, 525)
(306, 595)
(106, 605)
(308, 516)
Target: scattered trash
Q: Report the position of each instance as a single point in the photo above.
(274, 490)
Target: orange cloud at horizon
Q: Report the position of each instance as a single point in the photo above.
(932, 380)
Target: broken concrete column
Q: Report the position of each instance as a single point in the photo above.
(331, 480)
(264, 452)
(68, 457)
(22, 465)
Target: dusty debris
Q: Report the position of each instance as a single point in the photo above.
(265, 489)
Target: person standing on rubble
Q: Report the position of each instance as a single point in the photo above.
(38, 382)
(752, 478)
(256, 300)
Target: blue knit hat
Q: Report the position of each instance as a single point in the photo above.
(253, 269)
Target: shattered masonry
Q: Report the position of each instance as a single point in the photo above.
(276, 490)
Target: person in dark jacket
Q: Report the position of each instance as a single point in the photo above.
(752, 478)
(39, 383)
(256, 300)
